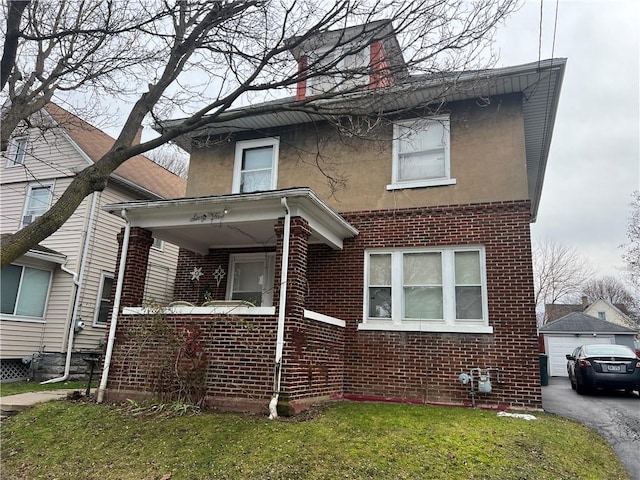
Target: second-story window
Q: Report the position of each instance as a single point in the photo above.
(256, 165)
(421, 153)
(38, 201)
(16, 152)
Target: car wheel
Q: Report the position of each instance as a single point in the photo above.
(573, 383)
(580, 388)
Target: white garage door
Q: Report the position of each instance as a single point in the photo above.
(558, 347)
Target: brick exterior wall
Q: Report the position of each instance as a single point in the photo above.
(323, 361)
(424, 367)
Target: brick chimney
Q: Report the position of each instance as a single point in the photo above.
(585, 302)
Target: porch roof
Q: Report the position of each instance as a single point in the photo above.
(235, 220)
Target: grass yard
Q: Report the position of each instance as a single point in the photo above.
(66, 440)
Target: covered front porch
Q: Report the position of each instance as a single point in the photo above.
(257, 343)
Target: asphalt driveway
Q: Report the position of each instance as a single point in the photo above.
(614, 415)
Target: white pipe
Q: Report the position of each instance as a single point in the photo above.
(273, 404)
(77, 280)
(116, 307)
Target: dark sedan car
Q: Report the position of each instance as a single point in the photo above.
(603, 366)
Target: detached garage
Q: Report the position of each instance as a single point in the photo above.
(569, 332)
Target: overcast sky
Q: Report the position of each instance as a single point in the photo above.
(594, 162)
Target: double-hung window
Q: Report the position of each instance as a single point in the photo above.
(256, 165)
(17, 151)
(252, 278)
(24, 291)
(435, 289)
(38, 201)
(421, 153)
(104, 299)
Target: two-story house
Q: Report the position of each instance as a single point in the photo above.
(388, 289)
(56, 298)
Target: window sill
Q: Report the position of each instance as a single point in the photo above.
(425, 327)
(14, 318)
(421, 184)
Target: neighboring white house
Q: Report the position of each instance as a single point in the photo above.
(59, 292)
(605, 310)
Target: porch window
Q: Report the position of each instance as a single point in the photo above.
(37, 202)
(104, 299)
(16, 152)
(251, 278)
(256, 165)
(24, 291)
(423, 288)
(421, 156)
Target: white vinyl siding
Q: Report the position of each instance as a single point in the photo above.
(438, 289)
(421, 153)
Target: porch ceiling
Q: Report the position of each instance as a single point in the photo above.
(232, 221)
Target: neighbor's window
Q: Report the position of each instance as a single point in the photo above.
(421, 156)
(24, 291)
(256, 165)
(443, 286)
(16, 152)
(602, 315)
(37, 202)
(252, 278)
(104, 299)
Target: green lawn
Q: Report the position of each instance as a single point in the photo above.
(13, 388)
(66, 440)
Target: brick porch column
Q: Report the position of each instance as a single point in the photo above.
(297, 274)
(135, 273)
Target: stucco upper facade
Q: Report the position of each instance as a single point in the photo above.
(487, 161)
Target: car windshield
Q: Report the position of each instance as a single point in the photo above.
(612, 350)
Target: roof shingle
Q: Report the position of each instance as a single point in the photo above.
(138, 170)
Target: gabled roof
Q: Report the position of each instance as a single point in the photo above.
(618, 308)
(139, 172)
(538, 83)
(576, 322)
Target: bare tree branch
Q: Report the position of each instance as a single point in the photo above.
(204, 58)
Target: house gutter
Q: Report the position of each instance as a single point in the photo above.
(116, 308)
(78, 280)
(277, 374)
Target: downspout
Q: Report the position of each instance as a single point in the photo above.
(78, 280)
(116, 308)
(277, 374)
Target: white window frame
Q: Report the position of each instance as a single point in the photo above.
(17, 151)
(25, 318)
(25, 209)
(96, 314)
(269, 274)
(449, 323)
(157, 244)
(243, 145)
(396, 182)
(334, 78)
